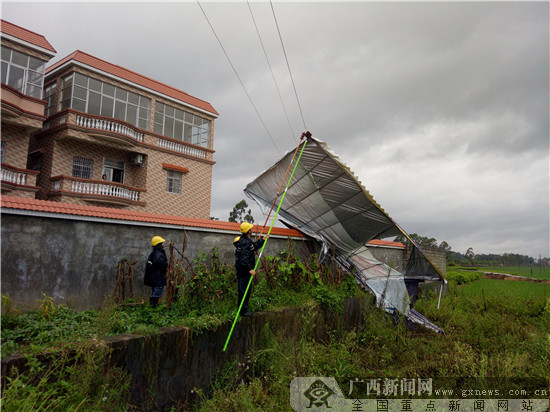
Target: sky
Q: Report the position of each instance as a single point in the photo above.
(440, 108)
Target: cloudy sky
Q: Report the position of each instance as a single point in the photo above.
(440, 108)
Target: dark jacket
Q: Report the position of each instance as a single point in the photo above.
(155, 268)
(244, 254)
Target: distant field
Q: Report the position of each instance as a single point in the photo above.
(527, 271)
(504, 289)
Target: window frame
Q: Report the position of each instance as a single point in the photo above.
(111, 101)
(82, 165)
(194, 129)
(26, 83)
(172, 177)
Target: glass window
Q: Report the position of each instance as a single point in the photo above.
(178, 130)
(95, 85)
(169, 111)
(179, 114)
(36, 64)
(49, 96)
(188, 133)
(94, 103)
(3, 152)
(16, 78)
(108, 89)
(169, 127)
(121, 94)
(131, 114)
(107, 105)
(82, 167)
(22, 72)
(79, 105)
(6, 54)
(81, 80)
(20, 59)
(80, 92)
(120, 110)
(133, 98)
(145, 102)
(174, 182)
(4, 72)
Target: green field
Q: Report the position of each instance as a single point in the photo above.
(526, 271)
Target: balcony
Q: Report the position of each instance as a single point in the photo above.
(22, 110)
(14, 178)
(186, 149)
(98, 191)
(104, 128)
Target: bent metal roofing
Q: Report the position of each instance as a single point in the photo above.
(28, 36)
(132, 77)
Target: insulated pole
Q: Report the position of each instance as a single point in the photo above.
(262, 249)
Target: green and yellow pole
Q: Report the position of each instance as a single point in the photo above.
(262, 249)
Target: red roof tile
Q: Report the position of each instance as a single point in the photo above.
(26, 35)
(133, 77)
(378, 242)
(13, 202)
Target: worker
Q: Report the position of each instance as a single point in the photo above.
(245, 262)
(155, 270)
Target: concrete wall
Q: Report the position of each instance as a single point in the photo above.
(393, 257)
(75, 260)
(167, 366)
(437, 256)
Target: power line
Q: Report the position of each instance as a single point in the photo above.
(288, 65)
(238, 77)
(271, 70)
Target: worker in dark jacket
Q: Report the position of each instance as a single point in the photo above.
(155, 270)
(244, 262)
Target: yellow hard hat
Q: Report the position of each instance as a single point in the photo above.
(246, 227)
(156, 240)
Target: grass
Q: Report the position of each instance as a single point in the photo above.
(496, 331)
(497, 334)
(535, 272)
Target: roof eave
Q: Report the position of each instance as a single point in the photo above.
(40, 49)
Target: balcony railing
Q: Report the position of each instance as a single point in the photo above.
(18, 176)
(109, 126)
(95, 188)
(181, 148)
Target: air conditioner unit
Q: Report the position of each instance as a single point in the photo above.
(138, 159)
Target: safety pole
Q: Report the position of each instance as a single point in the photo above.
(263, 246)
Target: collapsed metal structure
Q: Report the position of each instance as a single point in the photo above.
(326, 201)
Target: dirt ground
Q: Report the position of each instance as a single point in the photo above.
(505, 276)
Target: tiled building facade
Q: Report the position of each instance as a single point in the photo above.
(24, 57)
(115, 138)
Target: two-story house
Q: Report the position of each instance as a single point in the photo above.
(116, 138)
(24, 58)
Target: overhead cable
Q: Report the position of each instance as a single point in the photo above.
(271, 70)
(288, 65)
(238, 77)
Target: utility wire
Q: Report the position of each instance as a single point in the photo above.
(288, 65)
(271, 70)
(238, 77)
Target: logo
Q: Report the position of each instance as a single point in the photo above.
(318, 393)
